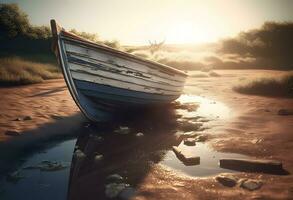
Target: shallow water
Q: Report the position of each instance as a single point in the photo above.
(126, 154)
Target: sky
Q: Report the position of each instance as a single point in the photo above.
(136, 22)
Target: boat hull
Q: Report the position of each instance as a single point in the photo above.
(104, 81)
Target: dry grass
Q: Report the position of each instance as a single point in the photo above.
(15, 71)
(272, 86)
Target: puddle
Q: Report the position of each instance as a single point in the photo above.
(206, 107)
(37, 184)
(123, 153)
(208, 160)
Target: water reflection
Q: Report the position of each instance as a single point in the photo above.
(132, 157)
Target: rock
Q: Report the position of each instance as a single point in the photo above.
(201, 138)
(15, 176)
(57, 117)
(251, 184)
(139, 134)
(99, 157)
(251, 165)
(114, 178)
(79, 154)
(189, 126)
(189, 141)
(27, 118)
(285, 112)
(47, 166)
(127, 193)
(114, 189)
(122, 130)
(187, 159)
(227, 180)
(96, 138)
(12, 133)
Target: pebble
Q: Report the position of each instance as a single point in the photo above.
(189, 141)
(139, 134)
(114, 189)
(79, 154)
(127, 193)
(99, 157)
(114, 178)
(201, 138)
(12, 133)
(251, 184)
(227, 180)
(285, 112)
(122, 130)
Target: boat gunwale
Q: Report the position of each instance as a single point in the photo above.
(71, 37)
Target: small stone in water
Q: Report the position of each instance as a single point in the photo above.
(139, 134)
(127, 193)
(99, 157)
(251, 184)
(114, 178)
(114, 189)
(79, 154)
(15, 176)
(122, 130)
(227, 180)
(12, 133)
(189, 141)
(201, 138)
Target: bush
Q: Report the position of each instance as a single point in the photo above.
(274, 86)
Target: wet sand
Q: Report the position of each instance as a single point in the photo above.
(252, 127)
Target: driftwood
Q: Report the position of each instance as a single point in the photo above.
(266, 166)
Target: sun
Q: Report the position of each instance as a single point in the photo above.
(185, 32)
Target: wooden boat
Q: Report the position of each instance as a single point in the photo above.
(103, 80)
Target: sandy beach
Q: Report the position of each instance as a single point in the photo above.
(39, 112)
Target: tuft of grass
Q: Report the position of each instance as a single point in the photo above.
(273, 86)
(15, 71)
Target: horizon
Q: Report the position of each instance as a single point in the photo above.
(156, 21)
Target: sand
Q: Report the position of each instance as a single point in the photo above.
(253, 128)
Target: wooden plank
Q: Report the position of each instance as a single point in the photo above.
(121, 84)
(125, 78)
(94, 65)
(108, 58)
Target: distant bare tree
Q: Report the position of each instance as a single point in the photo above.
(155, 46)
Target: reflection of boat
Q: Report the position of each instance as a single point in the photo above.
(103, 80)
(130, 156)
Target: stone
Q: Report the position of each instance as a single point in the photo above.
(127, 193)
(253, 165)
(251, 184)
(187, 159)
(27, 118)
(114, 189)
(15, 176)
(227, 180)
(79, 154)
(122, 130)
(114, 178)
(201, 138)
(139, 134)
(187, 126)
(285, 112)
(189, 141)
(99, 157)
(12, 133)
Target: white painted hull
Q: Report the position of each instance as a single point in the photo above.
(103, 80)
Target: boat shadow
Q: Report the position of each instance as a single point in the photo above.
(125, 152)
